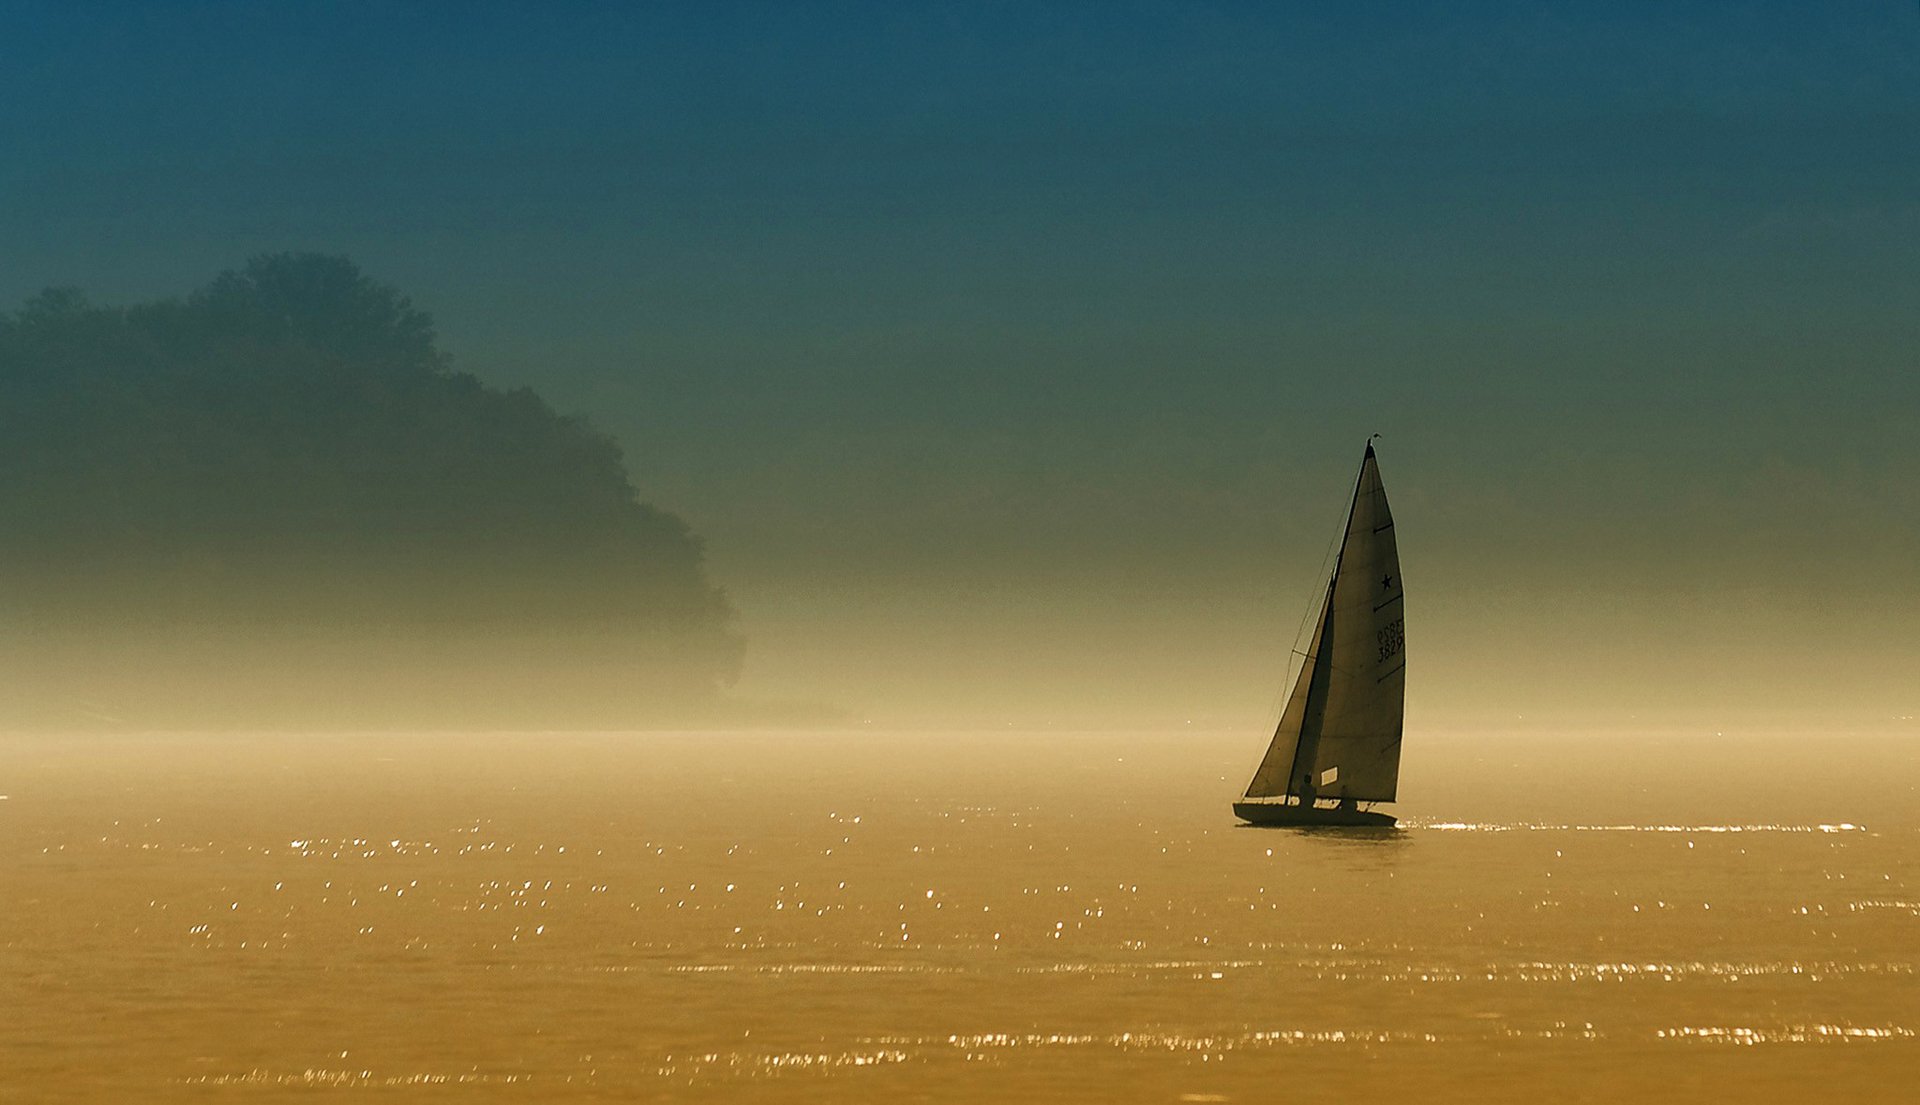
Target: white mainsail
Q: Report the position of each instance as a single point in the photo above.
(1339, 736)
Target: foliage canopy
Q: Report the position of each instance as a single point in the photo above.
(282, 475)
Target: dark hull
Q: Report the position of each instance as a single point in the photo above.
(1310, 817)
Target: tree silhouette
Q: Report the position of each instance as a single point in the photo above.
(285, 460)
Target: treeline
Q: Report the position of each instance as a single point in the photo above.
(275, 502)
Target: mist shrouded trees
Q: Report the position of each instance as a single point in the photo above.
(275, 503)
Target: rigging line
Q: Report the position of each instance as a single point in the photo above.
(1291, 674)
(1277, 703)
(1283, 692)
(1264, 452)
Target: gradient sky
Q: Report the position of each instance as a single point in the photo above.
(1014, 360)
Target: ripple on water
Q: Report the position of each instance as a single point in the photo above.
(1538, 826)
(328, 1078)
(607, 945)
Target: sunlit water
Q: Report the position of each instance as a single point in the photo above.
(950, 917)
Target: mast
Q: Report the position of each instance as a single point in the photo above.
(1300, 781)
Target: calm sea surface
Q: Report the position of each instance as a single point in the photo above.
(951, 917)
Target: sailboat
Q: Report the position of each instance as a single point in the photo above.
(1338, 742)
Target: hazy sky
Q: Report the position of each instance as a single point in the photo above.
(1014, 360)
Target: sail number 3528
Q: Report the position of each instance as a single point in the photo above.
(1393, 638)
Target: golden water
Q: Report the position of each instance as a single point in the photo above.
(950, 917)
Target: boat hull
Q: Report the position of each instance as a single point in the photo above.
(1279, 814)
